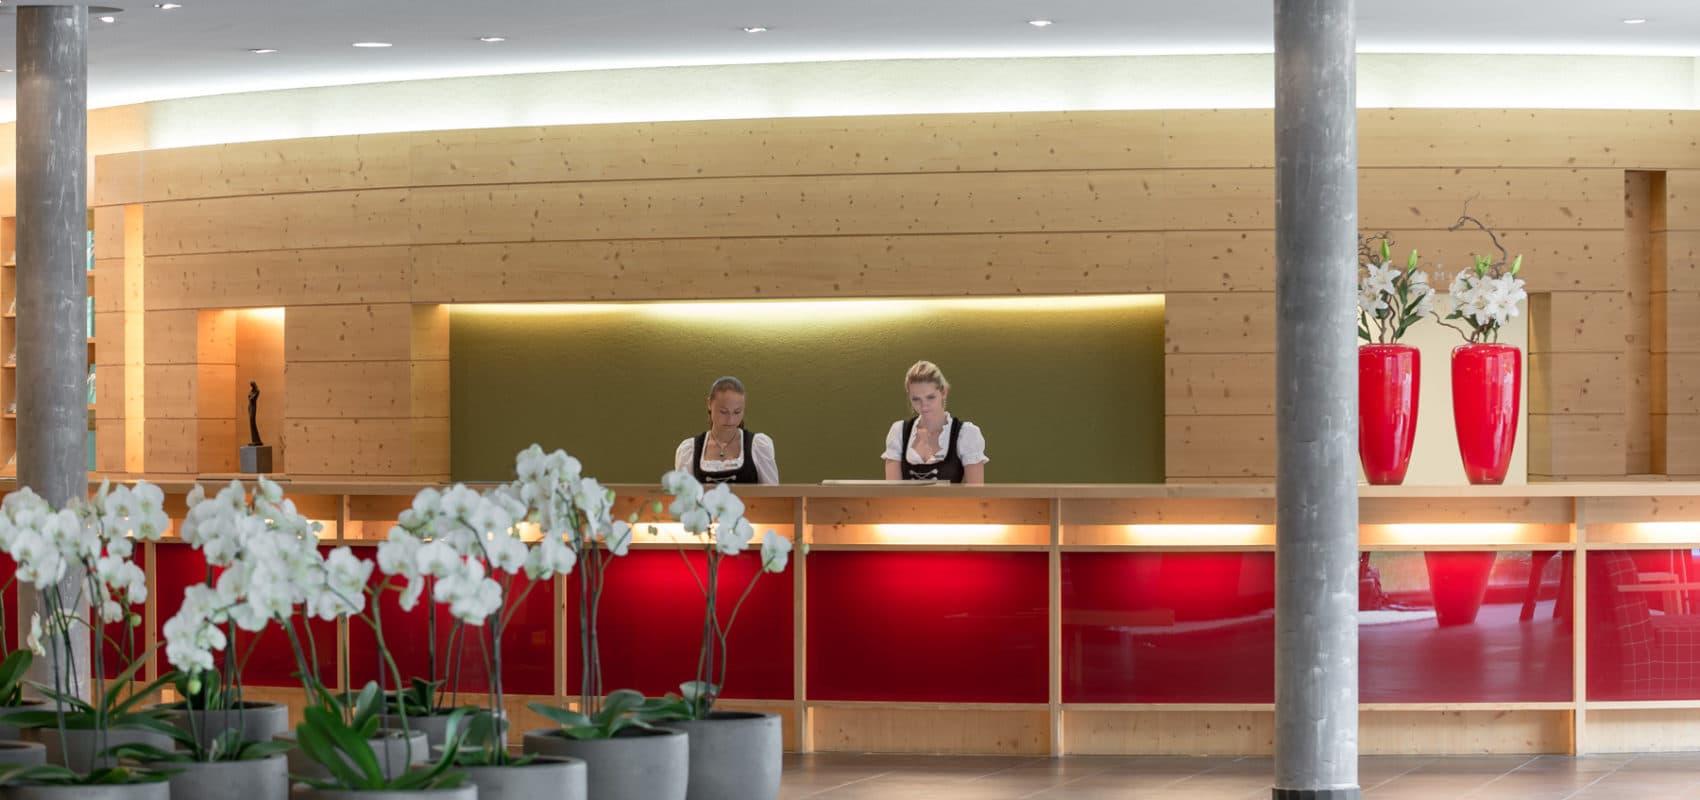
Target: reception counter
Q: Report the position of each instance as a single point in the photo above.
(1035, 619)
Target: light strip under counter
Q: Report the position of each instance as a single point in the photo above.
(928, 519)
(1469, 518)
(1630, 522)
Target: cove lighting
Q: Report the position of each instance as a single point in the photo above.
(1462, 533)
(804, 311)
(1194, 535)
(372, 44)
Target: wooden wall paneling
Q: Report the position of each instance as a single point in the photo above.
(801, 267)
(1576, 445)
(1238, 323)
(257, 168)
(1643, 214)
(1642, 730)
(319, 276)
(1211, 447)
(171, 337)
(215, 392)
(1219, 384)
(1577, 322)
(350, 448)
(1682, 260)
(278, 222)
(806, 146)
(1190, 732)
(921, 728)
(1577, 383)
(1526, 138)
(1539, 199)
(352, 389)
(1463, 732)
(375, 332)
(1219, 261)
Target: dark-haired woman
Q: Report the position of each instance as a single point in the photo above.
(726, 453)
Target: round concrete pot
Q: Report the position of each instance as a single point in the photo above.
(392, 754)
(10, 732)
(125, 791)
(639, 765)
(80, 751)
(545, 778)
(259, 722)
(434, 726)
(463, 793)
(25, 753)
(735, 755)
(262, 779)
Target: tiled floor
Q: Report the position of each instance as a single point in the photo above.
(831, 776)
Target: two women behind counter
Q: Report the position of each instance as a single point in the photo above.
(932, 445)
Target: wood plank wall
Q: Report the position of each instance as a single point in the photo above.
(364, 238)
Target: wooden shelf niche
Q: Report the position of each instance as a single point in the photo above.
(9, 344)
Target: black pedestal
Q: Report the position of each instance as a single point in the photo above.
(256, 459)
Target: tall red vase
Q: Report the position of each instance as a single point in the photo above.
(1487, 382)
(1389, 384)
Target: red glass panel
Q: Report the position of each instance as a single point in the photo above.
(269, 660)
(177, 566)
(1168, 627)
(651, 625)
(1643, 625)
(946, 627)
(9, 596)
(527, 665)
(1469, 627)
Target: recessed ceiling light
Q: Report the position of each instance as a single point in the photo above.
(371, 44)
(1040, 23)
(262, 51)
(492, 39)
(1634, 21)
(167, 6)
(109, 20)
(755, 29)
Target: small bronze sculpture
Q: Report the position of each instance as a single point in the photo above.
(253, 403)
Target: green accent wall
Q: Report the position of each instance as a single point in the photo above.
(1065, 391)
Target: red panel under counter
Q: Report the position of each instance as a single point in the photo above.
(1199, 628)
(651, 625)
(1168, 627)
(1643, 625)
(526, 652)
(939, 627)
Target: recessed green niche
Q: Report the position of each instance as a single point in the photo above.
(1067, 390)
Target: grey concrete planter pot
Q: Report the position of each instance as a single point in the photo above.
(463, 793)
(735, 755)
(259, 722)
(79, 751)
(127, 791)
(264, 779)
(434, 726)
(10, 732)
(545, 778)
(644, 765)
(26, 753)
(388, 745)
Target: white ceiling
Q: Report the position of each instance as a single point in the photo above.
(202, 48)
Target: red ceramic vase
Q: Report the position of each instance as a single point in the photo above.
(1389, 384)
(1487, 382)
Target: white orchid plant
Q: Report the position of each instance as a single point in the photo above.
(83, 556)
(470, 545)
(1487, 296)
(716, 518)
(1391, 298)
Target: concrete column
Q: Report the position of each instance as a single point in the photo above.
(1316, 221)
(52, 152)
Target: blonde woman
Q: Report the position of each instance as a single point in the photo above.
(933, 445)
(726, 453)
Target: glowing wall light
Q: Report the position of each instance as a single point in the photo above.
(1462, 533)
(792, 312)
(1200, 535)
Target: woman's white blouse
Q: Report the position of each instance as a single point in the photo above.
(761, 448)
(970, 445)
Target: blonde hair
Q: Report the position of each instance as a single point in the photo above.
(926, 372)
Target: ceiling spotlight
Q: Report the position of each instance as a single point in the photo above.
(492, 39)
(263, 51)
(1040, 23)
(755, 29)
(109, 20)
(371, 44)
(167, 6)
(1634, 21)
